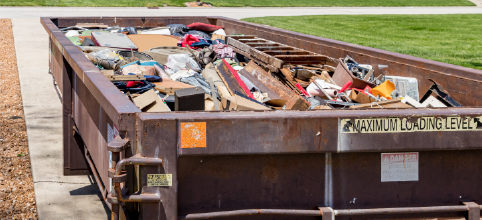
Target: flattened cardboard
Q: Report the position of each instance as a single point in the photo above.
(169, 86)
(150, 102)
(239, 103)
(218, 36)
(148, 41)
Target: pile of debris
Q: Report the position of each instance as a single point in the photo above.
(199, 67)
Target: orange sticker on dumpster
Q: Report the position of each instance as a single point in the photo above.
(193, 134)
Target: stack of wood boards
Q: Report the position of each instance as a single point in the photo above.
(272, 55)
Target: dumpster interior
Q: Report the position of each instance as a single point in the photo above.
(198, 67)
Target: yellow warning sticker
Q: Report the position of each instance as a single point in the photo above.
(193, 134)
(395, 125)
(159, 179)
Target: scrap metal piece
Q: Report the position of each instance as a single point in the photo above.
(118, 144)
(442, 95)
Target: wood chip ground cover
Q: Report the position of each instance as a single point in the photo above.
(17, 196)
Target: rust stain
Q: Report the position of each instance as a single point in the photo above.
(193, 134)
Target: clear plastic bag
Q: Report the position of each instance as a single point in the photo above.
(106, 55)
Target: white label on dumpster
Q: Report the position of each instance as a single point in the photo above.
(159, 179)
(400, 167)
(396, 125)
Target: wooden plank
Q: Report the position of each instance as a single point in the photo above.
(228, 79)
(286, 52)
(92, 25)
(272, 83)
(274, 48)
(394, 103)
(288, 77)
(265, 44)
(126, 77)
(300, 104)
(261, 86)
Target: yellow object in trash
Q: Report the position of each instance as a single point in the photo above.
(384, 90)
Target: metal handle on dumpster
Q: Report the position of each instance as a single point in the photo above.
(119, 177)
(328, 213)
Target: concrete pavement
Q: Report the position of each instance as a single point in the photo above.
(56, 196)
(238, 13)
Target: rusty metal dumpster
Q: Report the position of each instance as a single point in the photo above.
(284, 164)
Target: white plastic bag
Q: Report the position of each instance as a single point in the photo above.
(177, 62)
(220, 32)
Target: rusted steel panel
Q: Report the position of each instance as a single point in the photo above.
(157, 139)
(56, 61)
(92, 122)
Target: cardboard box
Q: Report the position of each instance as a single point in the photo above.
(150, 102)
(148, 41)
(360, 97)
(237, 102)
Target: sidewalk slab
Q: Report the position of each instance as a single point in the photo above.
(57, 196)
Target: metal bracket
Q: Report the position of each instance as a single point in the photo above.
(327, 213)
(118, 144)
(474, 210)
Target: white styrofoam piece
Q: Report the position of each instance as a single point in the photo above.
(433, 102)
(408, 100)
(159, 31)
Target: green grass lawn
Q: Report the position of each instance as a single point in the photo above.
(454, 39)
(233, 3)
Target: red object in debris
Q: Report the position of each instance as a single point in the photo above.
(240, 82)
(302, 90)
(189, 39)
(347, 84)
(131, 84)
(368, 89)
(204, 27)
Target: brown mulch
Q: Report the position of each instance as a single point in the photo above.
(17, 196)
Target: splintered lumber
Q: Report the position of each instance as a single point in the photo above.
(261, 86)
(274, 55)
(228, 79)
(275, 85)
(238, 79)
